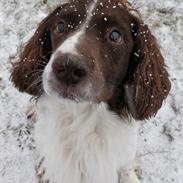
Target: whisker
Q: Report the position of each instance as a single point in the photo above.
(34, 72)
(41, 64)
(35, 83)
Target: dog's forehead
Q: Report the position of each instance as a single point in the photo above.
(92, 9)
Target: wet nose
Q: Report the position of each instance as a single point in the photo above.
(68, 70)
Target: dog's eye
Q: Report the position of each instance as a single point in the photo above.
(115, 36)
(61, 27)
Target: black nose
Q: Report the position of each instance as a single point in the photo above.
(68, 70)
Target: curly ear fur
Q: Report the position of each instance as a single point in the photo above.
(27, 72)
(147, 83)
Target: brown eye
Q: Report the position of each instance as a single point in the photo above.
(61, 27)
(115, 36)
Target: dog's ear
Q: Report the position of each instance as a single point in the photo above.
(26, 73)
(147, 83)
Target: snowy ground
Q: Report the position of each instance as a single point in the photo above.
(161, 138)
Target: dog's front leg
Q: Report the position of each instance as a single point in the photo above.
(31, 113)
(129, 177)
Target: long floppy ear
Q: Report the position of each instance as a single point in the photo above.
(147, 83)
(27, 72)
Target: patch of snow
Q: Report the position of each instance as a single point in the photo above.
(161, 138)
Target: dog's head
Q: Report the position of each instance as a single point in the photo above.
(96, 51)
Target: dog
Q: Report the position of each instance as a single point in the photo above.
(96, 70)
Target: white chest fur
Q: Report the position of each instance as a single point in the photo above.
(83, 143)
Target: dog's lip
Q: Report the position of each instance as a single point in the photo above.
(64, 91)
(67, 94)
(75, 92)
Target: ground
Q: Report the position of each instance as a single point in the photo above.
(160, 138)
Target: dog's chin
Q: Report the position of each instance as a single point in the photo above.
(80, 93)
(74, 94)
(74, 97)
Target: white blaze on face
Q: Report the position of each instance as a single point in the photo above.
(69, 45)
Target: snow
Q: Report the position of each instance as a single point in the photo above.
(160, 138)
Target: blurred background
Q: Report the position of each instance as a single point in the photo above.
(161, 138)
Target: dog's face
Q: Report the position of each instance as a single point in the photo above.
(91, 48)
(95, 51)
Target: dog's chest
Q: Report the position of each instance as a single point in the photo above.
(83, 143)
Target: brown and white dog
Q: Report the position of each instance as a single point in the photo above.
(96, 69)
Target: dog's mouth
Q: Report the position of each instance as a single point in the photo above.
(70, 94)
(84, 93)
(81, 92)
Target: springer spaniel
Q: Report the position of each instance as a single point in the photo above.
(96, 70)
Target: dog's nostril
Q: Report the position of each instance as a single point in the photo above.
(61, 68)
(79, 72)
(58, 67)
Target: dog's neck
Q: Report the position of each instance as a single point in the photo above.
(83, 142)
